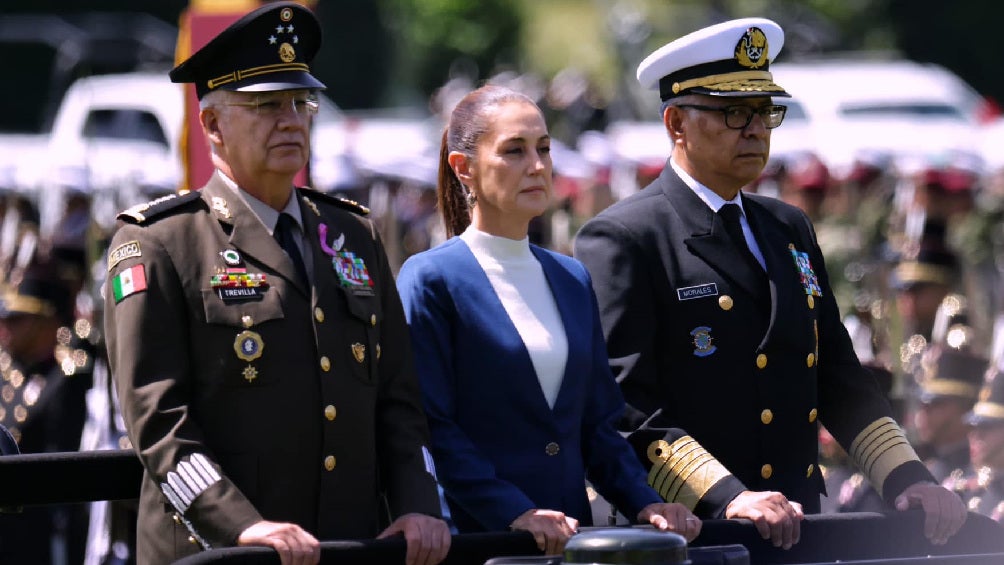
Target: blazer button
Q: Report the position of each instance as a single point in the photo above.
(330, 412)
(248, 321)
(766, 416)
(319, 314)
(766, 471)
(810, 360)
(812, 302)
(372, 319)
(552, 449)
(177, 519)
(809, 471)
(812, 415)
(325, 364)
(329, 462)
(761, 361)
(192, 540)
(725, 302)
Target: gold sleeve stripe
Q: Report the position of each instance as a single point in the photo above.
(684, 471)
(879, 449)
(989, 410)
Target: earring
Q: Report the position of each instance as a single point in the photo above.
(471, 198)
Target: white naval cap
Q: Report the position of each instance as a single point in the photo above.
(727, 59)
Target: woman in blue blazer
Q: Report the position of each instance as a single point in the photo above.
(509, 348)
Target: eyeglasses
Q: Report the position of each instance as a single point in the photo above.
(738, 117)
(274, 106)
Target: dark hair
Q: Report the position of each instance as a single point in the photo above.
(468, 123)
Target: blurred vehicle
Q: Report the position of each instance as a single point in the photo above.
(911, 110)
(117, 137)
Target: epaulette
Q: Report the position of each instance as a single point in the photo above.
(140, 213)
(344, 203)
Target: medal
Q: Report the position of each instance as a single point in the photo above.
(806, 274)
(352, 273)
(248, 345)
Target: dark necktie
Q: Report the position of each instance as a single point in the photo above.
(284, 236)
(730, 214)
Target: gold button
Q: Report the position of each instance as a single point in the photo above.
(192, 540)
(248, 321)
(810, 470)
(372, 319)
(766, 471)
(810, 360)
(329, 462)
(319, 314)
(812, 302)
(812, 415)
(325, 363)
(725, 302)
(552, 448)
(330, 412)
(177, 519)
(761, 361)
(766, 416)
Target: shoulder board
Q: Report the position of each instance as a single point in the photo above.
(344, 203)
(140, 213)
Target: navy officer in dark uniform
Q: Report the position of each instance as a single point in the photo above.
(256, 337)
(720, 323)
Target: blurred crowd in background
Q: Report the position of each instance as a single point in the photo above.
(913, 235)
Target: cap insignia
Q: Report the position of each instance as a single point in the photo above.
(752, 50)
(287, 53)
(286, 14)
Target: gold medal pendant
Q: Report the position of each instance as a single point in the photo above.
(248, 345)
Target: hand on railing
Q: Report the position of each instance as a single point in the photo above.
(944, 512)
(776, 518)
(294, 544)
(428, 538)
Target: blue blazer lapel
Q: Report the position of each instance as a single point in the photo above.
(573, 300)
(485, 296)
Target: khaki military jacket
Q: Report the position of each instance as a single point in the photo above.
(250, 396)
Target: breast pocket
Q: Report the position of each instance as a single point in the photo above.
(246, 325)
(363, 333)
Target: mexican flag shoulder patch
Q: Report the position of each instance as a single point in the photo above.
(129, 281)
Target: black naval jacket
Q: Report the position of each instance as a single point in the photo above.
(740, 379)
(291, 404)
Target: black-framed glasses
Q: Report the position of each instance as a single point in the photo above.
(740, 116)
(273, 106)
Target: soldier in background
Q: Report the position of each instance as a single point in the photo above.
(983, 489)
(921, 280)
(42, 404)
(947, 391)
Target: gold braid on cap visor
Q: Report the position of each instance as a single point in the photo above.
(732, 81)
(238, 76)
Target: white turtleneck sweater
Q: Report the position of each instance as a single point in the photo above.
(519, 282)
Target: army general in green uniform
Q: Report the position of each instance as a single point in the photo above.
(256, 338)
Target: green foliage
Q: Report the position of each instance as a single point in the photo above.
(431, 35)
